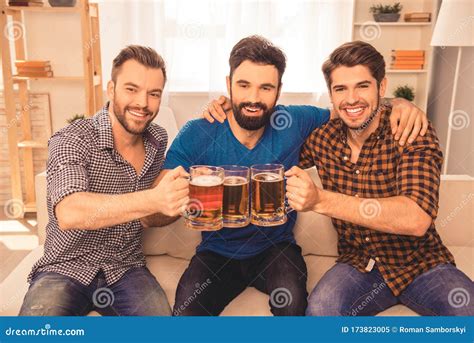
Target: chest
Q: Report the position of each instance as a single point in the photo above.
(135, 157)
(273, 147)
(366, 172)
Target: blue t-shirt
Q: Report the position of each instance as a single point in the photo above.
(201, 142)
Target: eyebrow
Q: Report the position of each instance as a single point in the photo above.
(136, 86)
(271, 85)
(357, 84)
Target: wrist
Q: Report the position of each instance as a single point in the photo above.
(320, 205)
(150, 203)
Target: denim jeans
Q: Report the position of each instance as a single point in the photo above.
(345, 291)
(137, 293)
(212, 281)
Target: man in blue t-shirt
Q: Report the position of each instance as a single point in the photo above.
(257, 131)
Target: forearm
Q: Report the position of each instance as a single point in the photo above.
(396, 215)
(92, 211)
(157, 220)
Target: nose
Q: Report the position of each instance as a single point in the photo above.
(352, 96)
(254, 95)
(141, 99)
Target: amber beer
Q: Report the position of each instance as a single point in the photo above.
(268, 195)
(206, 189)
(236, 196)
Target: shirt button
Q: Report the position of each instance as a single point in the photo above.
(377, 259)
(345, 158)
(367, 239)
(357, 195)
(378, 137)
(357, 171)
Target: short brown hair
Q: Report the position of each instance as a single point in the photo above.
(257, 50)
(355, 53)
(143, 55)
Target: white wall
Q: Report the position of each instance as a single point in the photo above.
(461, 155)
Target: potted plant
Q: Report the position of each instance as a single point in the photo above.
(405, 92)
(386, 13)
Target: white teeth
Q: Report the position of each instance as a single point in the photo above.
(354, 110)
(137, 114)
(251, 109)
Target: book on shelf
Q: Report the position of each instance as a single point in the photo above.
(418, 17)
(408, 53)
(36, 74)
(32, 69)
(26, 3)
(407, 66)
(32, 64)
(408, 58)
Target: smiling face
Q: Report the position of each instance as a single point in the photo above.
(136, 95)
(355, 95)
(254, 90)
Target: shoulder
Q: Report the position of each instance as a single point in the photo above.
(327, 132)
(79, 131)
(429, 141)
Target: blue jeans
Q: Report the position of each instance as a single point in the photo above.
(137, 293)
(345, 291)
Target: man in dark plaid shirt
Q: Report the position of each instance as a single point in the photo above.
(99, 175)
(383, 199)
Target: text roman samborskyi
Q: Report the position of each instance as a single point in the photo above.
(429, 329)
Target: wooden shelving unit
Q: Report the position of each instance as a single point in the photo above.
(403, 36)
(21, 150)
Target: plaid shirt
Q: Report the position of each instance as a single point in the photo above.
(82, 158)
(384, 169)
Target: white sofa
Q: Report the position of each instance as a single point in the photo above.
(170, 248)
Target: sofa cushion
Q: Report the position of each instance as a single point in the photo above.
(174, 239)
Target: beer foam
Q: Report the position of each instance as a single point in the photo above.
(235, 180)
(267, 177)
(206, 180)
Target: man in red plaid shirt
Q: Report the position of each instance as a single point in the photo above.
(383, 200)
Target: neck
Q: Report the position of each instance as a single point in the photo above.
(246, 137)
(357, 137)
(122, 138)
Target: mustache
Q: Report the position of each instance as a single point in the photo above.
(259, 105)
(137, 109)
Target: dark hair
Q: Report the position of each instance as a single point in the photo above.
(142, 54)
(257, 50)
(355, 53)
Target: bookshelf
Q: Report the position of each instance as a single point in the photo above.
(21, 143)
(399, 36)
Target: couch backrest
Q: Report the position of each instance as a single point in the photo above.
(167, 120)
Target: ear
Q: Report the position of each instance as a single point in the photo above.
(110, 90)
(227, 80)
(279, 92)
(383, 87)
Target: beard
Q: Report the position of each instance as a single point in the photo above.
(122, 119)
(248, 122)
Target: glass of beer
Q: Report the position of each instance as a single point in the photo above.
(206, 188)
(236, 196)
(268, 195)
